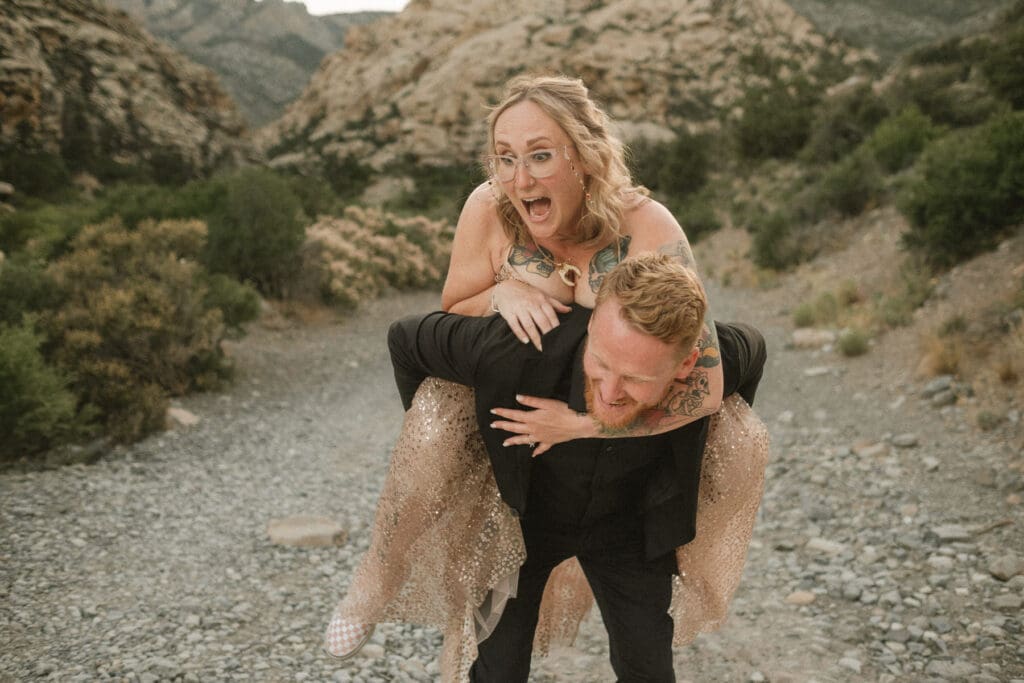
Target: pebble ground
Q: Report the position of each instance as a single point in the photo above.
(888, 535)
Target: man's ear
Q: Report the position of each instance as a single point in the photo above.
(687, 363)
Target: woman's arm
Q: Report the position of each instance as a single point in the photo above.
(476, 256)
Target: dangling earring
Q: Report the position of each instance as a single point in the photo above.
(586, 193)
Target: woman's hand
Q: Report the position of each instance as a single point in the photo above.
(549, 422)
(528, 311)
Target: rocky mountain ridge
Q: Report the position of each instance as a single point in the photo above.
(264, 52)
(86, 82)
(891, 28)
(418, 83)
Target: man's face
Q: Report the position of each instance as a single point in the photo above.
(627, 371)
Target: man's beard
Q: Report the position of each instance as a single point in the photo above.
(623, 418)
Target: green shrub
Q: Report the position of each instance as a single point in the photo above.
(133, 326)
(439, 192)
(853, 342)
(969, 189)
(37, 409)
(917, 285)
(45, 229)
(804, 315)
(898, 141)
(256, 233)
(35, 173)
(851, 184)
(315, 194)
(1004, 68)
(946, 95)
(673, 169)
(842, 123)
(776, 244)
(347, 176)
(238, 303)
(696, 214)
(136, 203)
(776, 120)
(25, 288)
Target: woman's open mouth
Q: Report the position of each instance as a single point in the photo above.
(537, 209)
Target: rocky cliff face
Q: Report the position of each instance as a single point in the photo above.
(264, 52)
(418, 83)
(76, 76)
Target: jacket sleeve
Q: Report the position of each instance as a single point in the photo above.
(438, 344)
(743, 357)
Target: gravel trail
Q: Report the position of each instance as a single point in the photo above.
(888, 542)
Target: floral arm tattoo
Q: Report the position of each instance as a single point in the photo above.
(708, 343)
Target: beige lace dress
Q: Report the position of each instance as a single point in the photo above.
(445, 550)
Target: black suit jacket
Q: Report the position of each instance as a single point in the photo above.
(484, 354)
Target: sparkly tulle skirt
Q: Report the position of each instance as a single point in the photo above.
(445, 550)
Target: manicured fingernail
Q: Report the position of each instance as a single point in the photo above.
(504, 443)
(519, 397)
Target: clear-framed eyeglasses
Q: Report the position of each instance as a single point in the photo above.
(540, 163)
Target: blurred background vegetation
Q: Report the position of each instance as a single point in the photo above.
(118, 282)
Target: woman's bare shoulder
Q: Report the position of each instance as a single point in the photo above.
(650, 225)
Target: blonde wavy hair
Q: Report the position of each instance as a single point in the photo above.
(658, 296)
(567, 101)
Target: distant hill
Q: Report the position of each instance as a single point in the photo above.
(84, 82)
(891, 28)
(264, 52)
(417, 84)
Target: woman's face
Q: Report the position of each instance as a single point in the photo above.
(550, 207)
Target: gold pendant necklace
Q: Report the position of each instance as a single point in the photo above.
(568, 272)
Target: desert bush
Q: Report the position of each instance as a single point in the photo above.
(916, 286)
(945, 94)
(25, 288)
(256, 233)
(776, 243)
(898, 141)
(841, 123)
(853, 341)
(37, 409)
(34, 173)
(803, 315)
(775, 121)
(439, 192)
(696, 214)
(133, 326)
(1003, 66)
(135, 203)
(350, 259)
(969, 189)
(850, 184)
(45, 230)
(674, 169)
(238, 303)
(347, 176)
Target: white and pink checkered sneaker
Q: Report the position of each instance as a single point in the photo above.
(345, 639)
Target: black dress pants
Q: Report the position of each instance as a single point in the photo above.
(632, 594)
